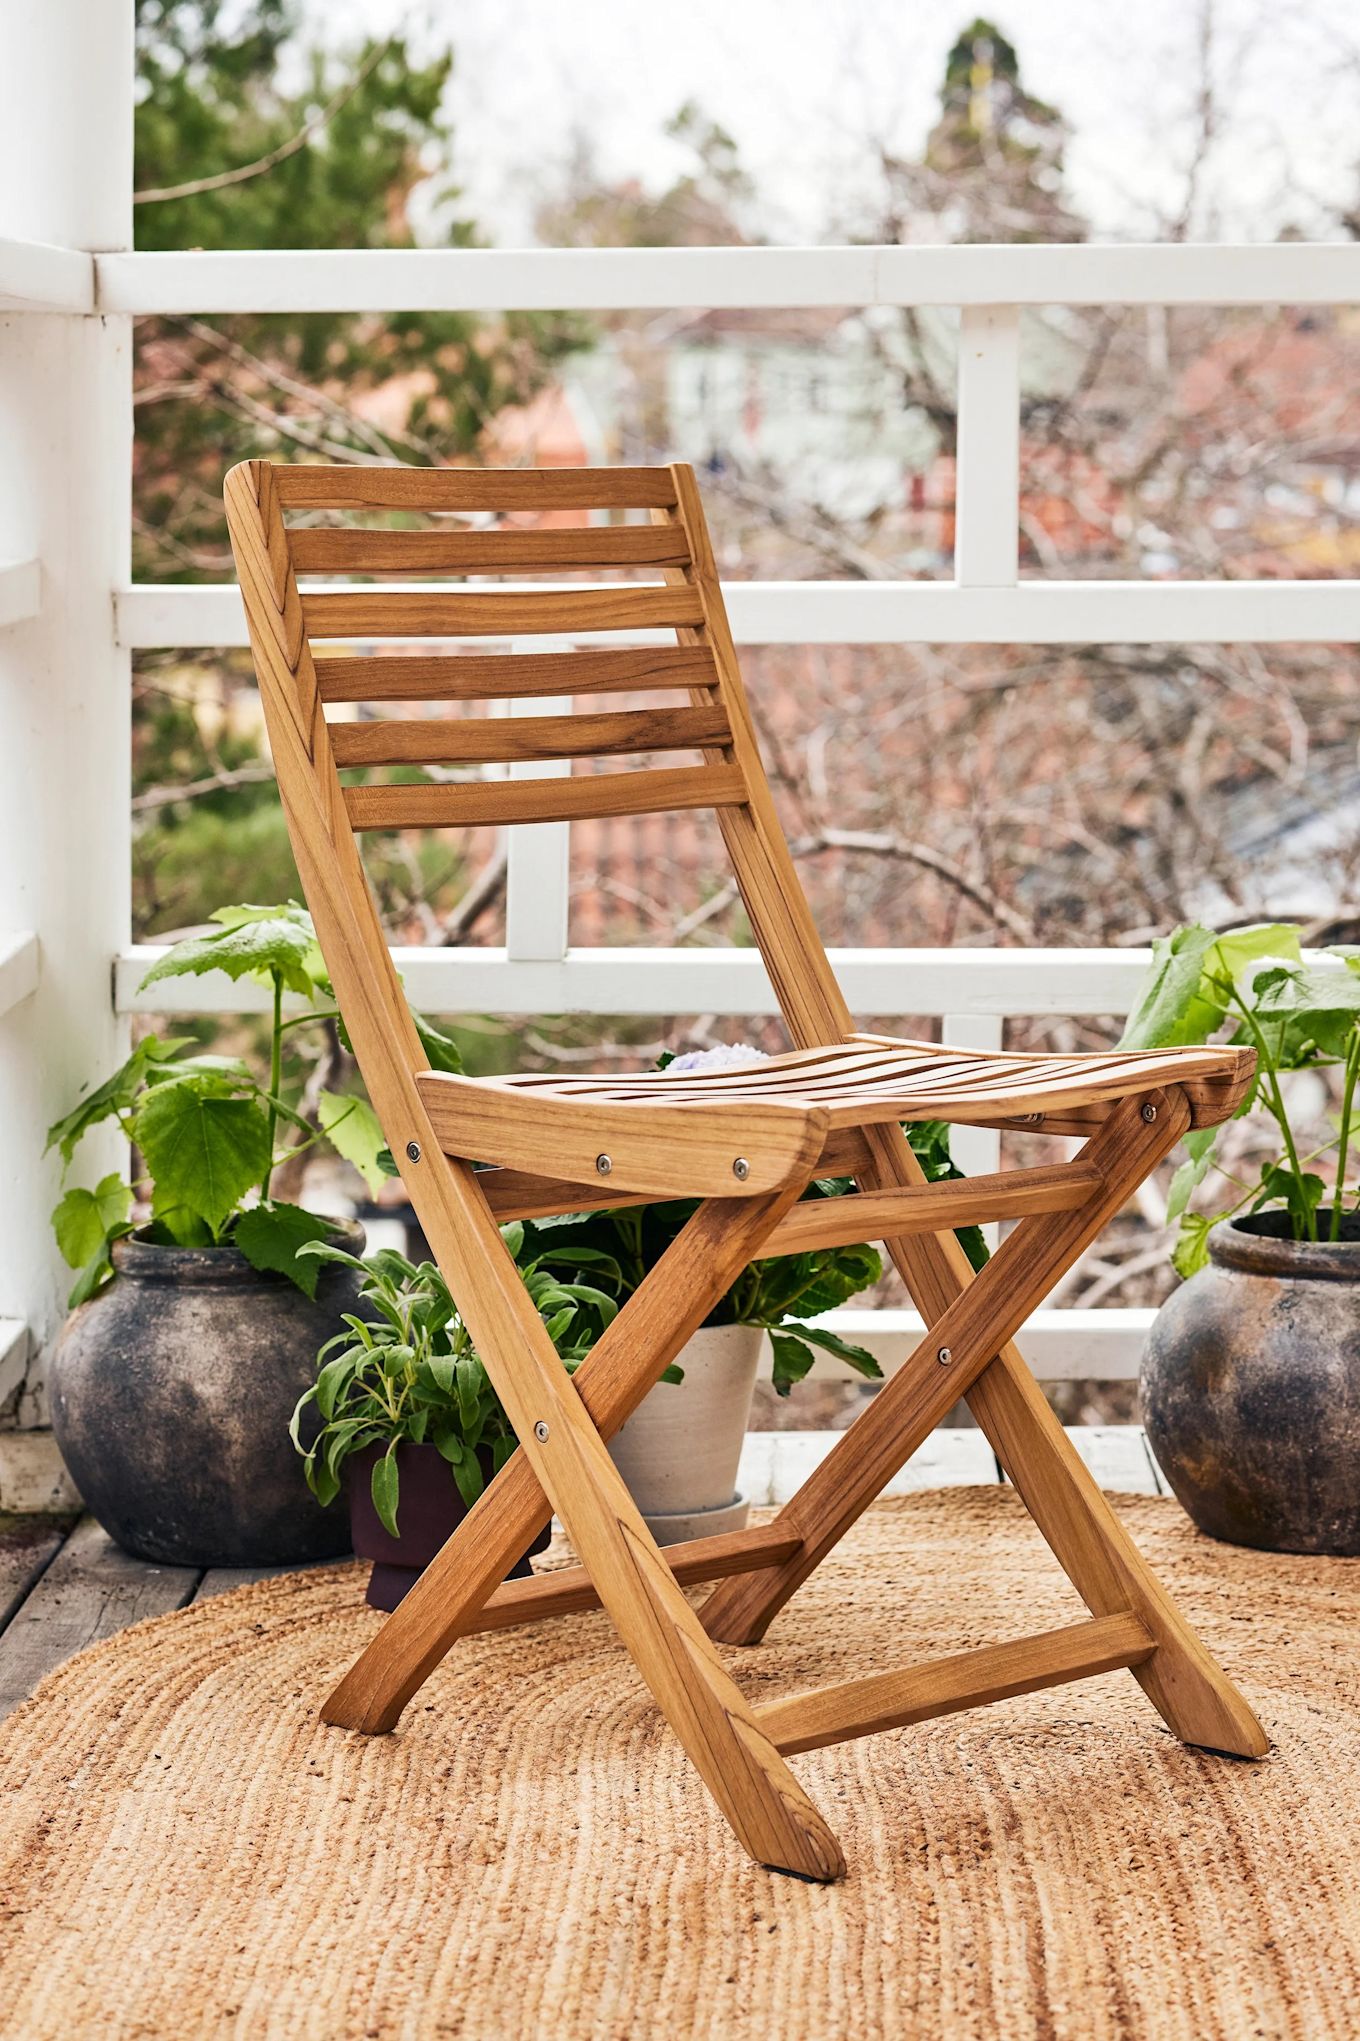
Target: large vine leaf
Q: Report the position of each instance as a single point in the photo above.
(116, 1095)
(441, 1049)
(269, 1236)
(204, 1150)
(254, 942)
(352, 1126)
(86, 1224)
(1173, 1009)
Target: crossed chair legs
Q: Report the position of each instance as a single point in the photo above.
(737, 1748)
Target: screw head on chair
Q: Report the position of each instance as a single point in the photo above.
(1149, 1113)
(603, 1164)
(741, 1168)
(540, 1431)
(944, 1356)
(413, 1150)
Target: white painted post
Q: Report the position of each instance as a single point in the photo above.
(537, 873)
(977, 1150)
(66, 99)
(987, 481)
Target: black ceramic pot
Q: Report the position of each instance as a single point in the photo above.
(1251, 1389)
(171, 1396)
(429, 1511)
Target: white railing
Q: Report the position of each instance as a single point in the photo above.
(970, 991)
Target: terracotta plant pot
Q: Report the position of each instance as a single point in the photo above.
(429, 1511)
(171, 1394)
(680, 1449)
(1251, 1389)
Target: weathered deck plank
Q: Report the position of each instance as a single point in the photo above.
(89, 1591)
(28, 1545)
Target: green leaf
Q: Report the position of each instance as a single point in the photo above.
(384, 1487)
(204, 1152)
(1191, 1252)
(1173, 1008)
(85, 1221)
(116, 1095)
(352, 1127)
(269, 1236)
(470, 1377)
(858, 1357)
(254, 942)
(441, 1049)
(1300, 1194)
(793, 1359)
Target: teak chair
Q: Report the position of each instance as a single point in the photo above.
(745, 1141)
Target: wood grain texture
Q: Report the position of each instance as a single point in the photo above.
(326, 550)
(971, 1201)
(319, 487)
(504, 739)
(656, 791)
(570, 1589)
(510, 676)
(90, 1590)
(486, 613)
(967, 1679)
(681, 1151)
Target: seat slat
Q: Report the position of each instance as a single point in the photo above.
(325, 550)
(571, 800)
(320, 487)
(394, 613)
(450, 677)
(504, 739)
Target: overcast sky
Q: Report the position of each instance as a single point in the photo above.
(809, 88)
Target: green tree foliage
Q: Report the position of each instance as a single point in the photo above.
(248, 136)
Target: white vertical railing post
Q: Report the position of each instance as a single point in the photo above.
(977, 1150)
(987, 482)
(538, 858)
(66, 101)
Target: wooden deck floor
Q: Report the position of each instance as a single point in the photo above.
(64, 1585)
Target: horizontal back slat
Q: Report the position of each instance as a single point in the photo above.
(361, 613)
(570, 800)
(505, 739)
(326, 488)
(507, 677)
(325, 551)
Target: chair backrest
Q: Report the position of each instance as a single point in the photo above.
(290, 631)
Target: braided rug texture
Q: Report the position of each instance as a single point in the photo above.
(185, 1851)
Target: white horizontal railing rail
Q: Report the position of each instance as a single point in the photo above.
(655, 279)
(970, 992)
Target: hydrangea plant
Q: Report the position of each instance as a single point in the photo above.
(209, 1128)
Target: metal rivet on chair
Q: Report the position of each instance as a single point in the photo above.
(741, 1168)
(603, 1164)
(1149, 1114)
(540, 1431)
(413, 1150)
(944, 1356)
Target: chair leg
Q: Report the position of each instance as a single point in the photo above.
(1194, 1695)
(563, 1457)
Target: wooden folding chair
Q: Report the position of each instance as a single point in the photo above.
(745, 1141)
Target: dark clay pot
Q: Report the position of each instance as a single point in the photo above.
(429, 1511)
(1251, 1389)
(171, 1396)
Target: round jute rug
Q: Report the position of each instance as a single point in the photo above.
(185, 1852)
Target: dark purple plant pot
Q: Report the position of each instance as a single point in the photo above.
(429, 1511)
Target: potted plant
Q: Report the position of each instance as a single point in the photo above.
(194, 1331)
(680, 1450)
(402, 1413)
(1251, 1378)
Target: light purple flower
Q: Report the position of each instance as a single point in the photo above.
(726, 1056)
